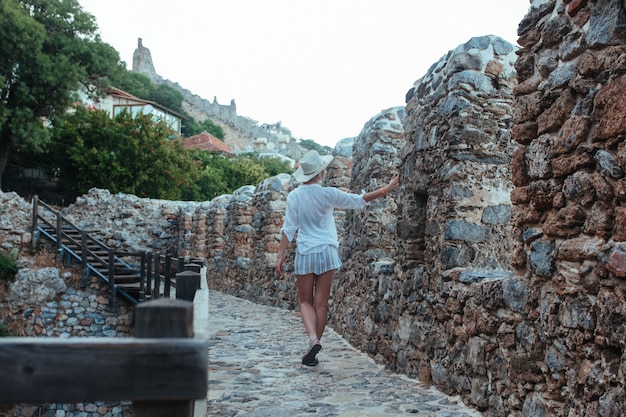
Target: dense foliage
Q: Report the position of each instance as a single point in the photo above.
(224, 175)
(271, 166)
(191, 127)
(124, 154)
(8, 267)
(49, 48)
(136, 156)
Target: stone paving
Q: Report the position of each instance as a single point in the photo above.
(255, 371)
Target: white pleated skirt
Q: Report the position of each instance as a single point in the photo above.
(317, 263)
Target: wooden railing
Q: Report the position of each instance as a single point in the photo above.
(163, 369)
(137, 276)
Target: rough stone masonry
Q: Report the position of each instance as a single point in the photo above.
(568, 210)
(427, 287)
(496, 271)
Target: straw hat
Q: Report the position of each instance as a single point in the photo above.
(310, 165)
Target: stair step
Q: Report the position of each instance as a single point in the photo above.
(127, 274)
(130, 286)
(127, 279)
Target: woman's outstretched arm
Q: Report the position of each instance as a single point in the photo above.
(381, 192)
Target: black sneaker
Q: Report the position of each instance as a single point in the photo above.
(309, 357)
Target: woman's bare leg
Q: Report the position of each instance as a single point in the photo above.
(323, 284)
(306, 285)
(314, 292)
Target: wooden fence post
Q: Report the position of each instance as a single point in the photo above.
(83, 256)
(34, 226)
(149, 276)
(111, 273)
(59, 234)
(187, 282)
(157, 275)
(142, 277)
(193, 267)
(167, 275)
(164, 318)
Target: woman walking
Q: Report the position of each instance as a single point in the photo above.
(309, 212)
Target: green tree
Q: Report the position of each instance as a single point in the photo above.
(211, 181)
(221, 175)
(271, 166)
(211, 127)
(243, 171)
(124, 154)
(49, 47)
(168, 97)
(135, 83)
(191, 127)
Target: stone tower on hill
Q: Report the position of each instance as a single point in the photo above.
(142, 61)
(241, 133)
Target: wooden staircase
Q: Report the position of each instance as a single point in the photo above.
(136, 276)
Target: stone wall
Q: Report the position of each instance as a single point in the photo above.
(15, 222)
(568, 209)
(427, 287)
(49, 300)
(47, 303)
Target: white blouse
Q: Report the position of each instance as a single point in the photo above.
(309, 212)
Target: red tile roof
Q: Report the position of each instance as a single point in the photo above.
(207, 142)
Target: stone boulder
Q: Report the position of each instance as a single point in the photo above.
(35, 286)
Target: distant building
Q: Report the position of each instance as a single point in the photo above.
(207, 142)
(115, 101)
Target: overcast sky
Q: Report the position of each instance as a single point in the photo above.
(323, 68)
